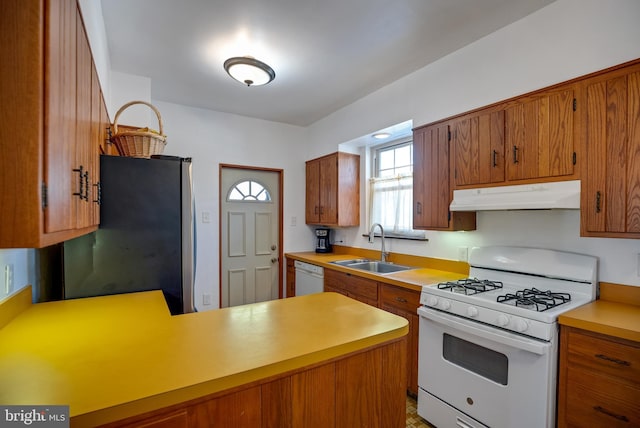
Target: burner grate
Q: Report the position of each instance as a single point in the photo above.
(534, 299)
(470, 286)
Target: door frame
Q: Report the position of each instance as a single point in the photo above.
(280, 173)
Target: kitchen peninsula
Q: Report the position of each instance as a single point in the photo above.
(123, 360)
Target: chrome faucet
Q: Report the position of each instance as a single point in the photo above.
(383, 253)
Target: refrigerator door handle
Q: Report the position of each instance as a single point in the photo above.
(188, 238)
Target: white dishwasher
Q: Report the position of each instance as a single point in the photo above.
(309, 278)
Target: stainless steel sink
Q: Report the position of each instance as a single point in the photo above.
(375, 266)
(349, 262)
(379, 267)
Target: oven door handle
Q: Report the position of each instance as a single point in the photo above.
(495, 335)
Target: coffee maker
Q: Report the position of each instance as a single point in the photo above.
(323, 244)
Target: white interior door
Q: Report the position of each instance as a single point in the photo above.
(249, 236)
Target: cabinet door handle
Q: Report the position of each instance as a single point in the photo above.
(613, 360)
(598, 201)
(401, 299)
(609, 413)
(80, 191)
(495, 158)
(515, 154)
(86, 186)
(315, 211)
(419, 207)
(98, 199)
(321, 210)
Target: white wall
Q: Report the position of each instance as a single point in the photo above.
(22, 262)
(127, 88)
(566, 39)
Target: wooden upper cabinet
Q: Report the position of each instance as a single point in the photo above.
(60, 58)
(478, 145)
(97, 141)
(44, 197)
(333, 190)
(540, 135)
(312, 192)
(432, 187)
(85, 148)
(610, 203)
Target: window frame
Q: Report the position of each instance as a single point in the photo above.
(375, 173)
(247, 198)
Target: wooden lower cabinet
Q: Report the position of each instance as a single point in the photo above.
(362, 389)
(179, 419)
(599, 380)
(358, 288)
(405, 303)
(291, 278)
(397, 300)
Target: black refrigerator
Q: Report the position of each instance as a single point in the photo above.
(146, 238)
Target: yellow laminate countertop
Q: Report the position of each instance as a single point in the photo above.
(427, 271)
(116, 356)
(611, 318)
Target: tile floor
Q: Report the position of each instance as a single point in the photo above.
(413, 420)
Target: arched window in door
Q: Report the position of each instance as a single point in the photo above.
(249, 190)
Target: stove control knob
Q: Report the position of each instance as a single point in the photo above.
(432, 301)
(445, 304)
(472, 311)
(502, 320)
(521, 325)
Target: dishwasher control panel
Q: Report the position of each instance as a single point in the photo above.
(308, 267)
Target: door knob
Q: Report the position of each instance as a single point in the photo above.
(274, 260)
(273, 247)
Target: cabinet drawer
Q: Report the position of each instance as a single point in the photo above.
(351, 283)
(401, 298)
(599, 401)
(604, 356)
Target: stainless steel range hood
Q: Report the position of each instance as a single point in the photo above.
(561, 194)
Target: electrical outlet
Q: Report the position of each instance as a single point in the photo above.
(463, 253)
(294, 221)
(206, 217)
(8, 278)
(206, 299)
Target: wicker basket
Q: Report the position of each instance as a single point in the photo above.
(140, 143)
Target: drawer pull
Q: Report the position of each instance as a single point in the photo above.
(613, 415)
(613, 360)
(401, 300)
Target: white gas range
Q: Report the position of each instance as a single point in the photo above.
(488, 344)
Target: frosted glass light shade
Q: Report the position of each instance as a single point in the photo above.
(249, 71)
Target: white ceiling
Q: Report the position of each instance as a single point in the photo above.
(326, 53)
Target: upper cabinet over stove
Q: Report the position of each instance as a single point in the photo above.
(585, 129)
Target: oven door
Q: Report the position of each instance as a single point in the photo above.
(467, 369)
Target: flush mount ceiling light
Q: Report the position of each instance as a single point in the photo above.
(381, 135)
(249, 71)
